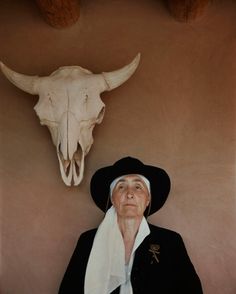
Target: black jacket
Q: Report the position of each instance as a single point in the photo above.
(172, 273)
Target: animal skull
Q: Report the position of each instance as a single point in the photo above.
(70, 105)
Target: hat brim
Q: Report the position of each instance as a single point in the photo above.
(102, 179)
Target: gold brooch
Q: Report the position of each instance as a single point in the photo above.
(155, 250)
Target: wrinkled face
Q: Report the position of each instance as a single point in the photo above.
(70, 109)
(130, 197)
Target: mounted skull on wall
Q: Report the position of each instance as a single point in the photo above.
(70, 105)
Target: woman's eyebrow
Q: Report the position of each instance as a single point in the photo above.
(138, 180)
(121, 181)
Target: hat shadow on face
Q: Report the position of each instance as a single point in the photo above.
(159, 182)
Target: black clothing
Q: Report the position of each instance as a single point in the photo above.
(171, 273)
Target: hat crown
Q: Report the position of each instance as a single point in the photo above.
(127, 165)
(128, 162)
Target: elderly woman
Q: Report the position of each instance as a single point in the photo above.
(127, 255)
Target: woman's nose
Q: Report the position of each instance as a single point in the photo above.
(130, 194)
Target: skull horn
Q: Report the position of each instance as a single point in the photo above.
(116, 78)
(24, 82)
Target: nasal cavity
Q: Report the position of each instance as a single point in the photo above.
(77, 158)
(65, 162)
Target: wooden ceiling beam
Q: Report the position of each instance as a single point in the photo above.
(187, 10)
(64, 13)
(59, 13)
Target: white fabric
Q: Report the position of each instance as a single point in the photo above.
(106, 268)
(115, 181)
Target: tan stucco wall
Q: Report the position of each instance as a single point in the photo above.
(177, 111)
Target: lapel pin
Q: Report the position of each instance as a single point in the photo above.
(155, 250)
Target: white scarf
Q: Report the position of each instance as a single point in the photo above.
(106, 265)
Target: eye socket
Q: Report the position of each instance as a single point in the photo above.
(120, 186)
(138, 187)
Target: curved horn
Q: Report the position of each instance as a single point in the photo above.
(24, 82)
(116, 78)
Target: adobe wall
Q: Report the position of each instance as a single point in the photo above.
(177, 111)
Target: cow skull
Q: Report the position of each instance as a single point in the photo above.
(70, 105)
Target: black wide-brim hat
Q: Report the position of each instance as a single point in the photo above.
(102, 179)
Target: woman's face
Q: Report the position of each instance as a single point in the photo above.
(130, 196)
